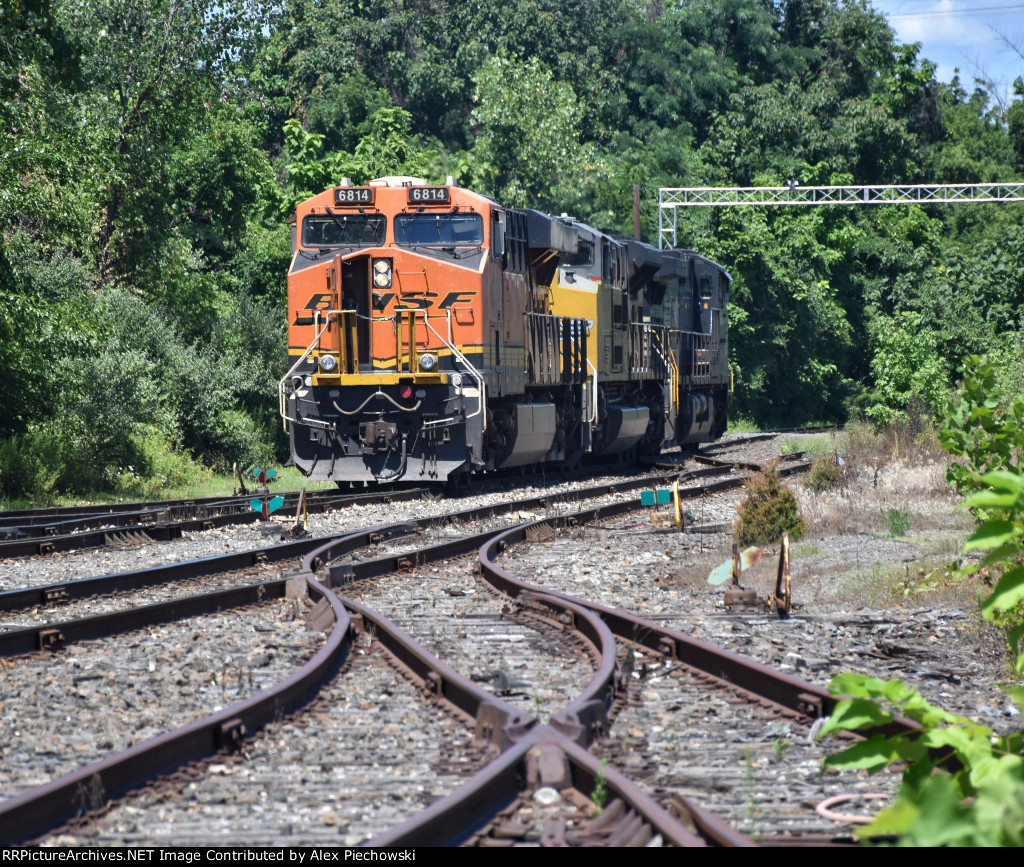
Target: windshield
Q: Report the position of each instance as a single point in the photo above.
(439, 230)
(344, 230)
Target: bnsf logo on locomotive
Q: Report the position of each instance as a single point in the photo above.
(381, 302)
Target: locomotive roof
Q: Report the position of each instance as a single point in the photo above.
(549, 233)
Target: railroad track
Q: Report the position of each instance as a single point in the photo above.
(584, 720)
(162, 522)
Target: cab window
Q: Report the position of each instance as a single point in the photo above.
(344, 230)
(439, 230)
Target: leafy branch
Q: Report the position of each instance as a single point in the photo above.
(963, 785)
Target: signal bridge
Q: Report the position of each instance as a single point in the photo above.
(671, 199)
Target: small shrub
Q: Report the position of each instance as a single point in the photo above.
(899, 522)
(768, 510)
(157, 468)
(825, 475)
(30, 465)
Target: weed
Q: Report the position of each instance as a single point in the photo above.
(599, 795)
(768, 510)
(538, 704)
(819, 444)
(779, 748)
(742, 425)
(899, 523)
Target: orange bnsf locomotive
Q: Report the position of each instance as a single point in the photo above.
(434, 333)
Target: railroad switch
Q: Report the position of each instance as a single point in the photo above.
(742, 598)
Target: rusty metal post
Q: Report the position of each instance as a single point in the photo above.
(299, 524)
(781, 597)
(737, 567)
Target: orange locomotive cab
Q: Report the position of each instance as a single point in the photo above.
(388, 292)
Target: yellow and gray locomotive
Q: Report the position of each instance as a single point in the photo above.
(434, 333)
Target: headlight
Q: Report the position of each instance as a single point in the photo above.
(455, 379)
(328, 363)
(427, 361)
(382, 273)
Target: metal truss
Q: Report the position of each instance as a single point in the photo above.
(670, 199)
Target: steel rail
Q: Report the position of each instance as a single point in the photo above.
(455, 820)
(83, 588)
(41, 543)
(31, 813)
(496, 721)
(731, 670)
(42, 517)
(27, 597)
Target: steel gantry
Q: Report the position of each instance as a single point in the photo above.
(671, 199)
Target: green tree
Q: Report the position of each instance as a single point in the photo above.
(147, 69)
(906, 367)
(527, 127)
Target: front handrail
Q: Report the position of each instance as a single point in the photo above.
(481, 409)
(282, 397)
(593, 403)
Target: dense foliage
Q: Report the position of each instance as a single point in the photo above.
(963, 785)
(151, 151)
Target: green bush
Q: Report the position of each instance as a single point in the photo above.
(825, 474)
(158, 467)
(27, 466)
(899, 523)
(768, 510)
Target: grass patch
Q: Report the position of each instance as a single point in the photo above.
(813, 444)
(212, 485)
(899, 523)
(287, 479)
(806, 549)
(742, 425)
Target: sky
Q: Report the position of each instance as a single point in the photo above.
(963, 34)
